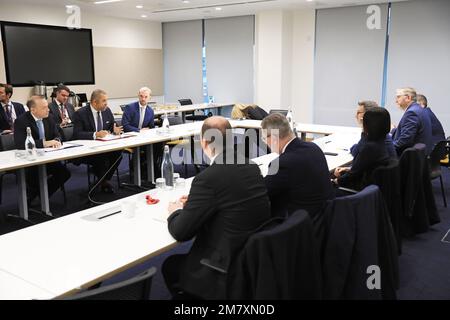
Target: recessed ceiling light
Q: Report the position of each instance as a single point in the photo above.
(185, 1)
(218, 8)
(69, 6)
(309, 0)
(106, 1)
(140, 6)
(144, 16)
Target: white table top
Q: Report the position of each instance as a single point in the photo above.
(78, 250)
(159, 110)
(14, 288)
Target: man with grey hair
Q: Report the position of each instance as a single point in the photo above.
(138, 115)
(96, 121)
(227, 201)
(414, 126)
(303, 179)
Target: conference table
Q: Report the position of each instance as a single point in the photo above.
(58, 258)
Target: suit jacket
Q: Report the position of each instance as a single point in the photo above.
(54, 111)
(390, 149)
(437, 131)
(226, 203)
(84, 123)
(18, 108)
(372, 155)
(27, 120)
(302, 180)
(414, 127)
(132, 115)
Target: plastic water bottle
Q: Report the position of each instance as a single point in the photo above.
(30, 146)
(166, 124)
(167, 168)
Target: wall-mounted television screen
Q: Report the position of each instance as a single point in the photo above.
(35, 53)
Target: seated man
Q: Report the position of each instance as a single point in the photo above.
(138, 115)
(45, 134)
(414, 126)
(62, 111)
(9, 110)
(363, 106)
(219, 212)
(373, 154)
(302, 180)
(248, 111)
(96, 121)
(437, 131)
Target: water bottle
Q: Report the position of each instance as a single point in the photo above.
(290, 119)
(166, 124)
(167, 168)
(30, 146)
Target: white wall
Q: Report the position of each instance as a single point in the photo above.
(106, 32)
(284, 61)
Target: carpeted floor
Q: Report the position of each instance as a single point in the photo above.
(424, 264)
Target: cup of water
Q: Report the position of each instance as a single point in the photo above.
(180, 183)
(128, 208)
(160, 183)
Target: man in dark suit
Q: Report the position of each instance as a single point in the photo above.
(299, 178)
(138, 115)
(414, 126)
(45, 134)
(9, 110)
(62, 111)
(437, 131)
(96, 121)
(227, 201)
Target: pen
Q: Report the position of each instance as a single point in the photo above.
(111, 214)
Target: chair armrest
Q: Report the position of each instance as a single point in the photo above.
(348, 190)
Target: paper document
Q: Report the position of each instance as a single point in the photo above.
(66, 145)
(110, 137)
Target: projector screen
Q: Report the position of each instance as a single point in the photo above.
(47, 53)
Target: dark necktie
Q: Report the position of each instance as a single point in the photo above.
(63, 114)
(99, 122)
(8, 115)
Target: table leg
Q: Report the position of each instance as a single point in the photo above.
(150, 164)
(137, 166)
(22, 189)
(43, 189)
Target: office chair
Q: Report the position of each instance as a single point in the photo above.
(6, 143)
(190, 115)
(282, 111)
(122, 107)
(438, 153)
(136, 288)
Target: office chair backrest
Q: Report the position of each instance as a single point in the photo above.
(175, 120)
(137, 288)
(185, 102)
(7, 142)
(282, 111)
(122, 107)
(438, 153)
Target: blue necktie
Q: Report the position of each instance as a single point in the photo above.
(40, 126)
(99, 122)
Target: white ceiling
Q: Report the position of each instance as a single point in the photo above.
(176, 10)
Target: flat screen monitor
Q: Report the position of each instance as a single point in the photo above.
(50, 54)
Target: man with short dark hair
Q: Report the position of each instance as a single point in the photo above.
(437, 131)
(45, 134)
(9, 110)
(60, 109)
(226, 203)
(302, 180)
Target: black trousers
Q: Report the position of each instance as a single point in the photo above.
(103, 162)
(171, 272)
(57, 175)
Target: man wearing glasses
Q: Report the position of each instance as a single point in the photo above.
(414, 126)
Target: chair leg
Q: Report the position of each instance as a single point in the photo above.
(443, 191)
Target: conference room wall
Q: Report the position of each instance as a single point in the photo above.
(284, 61)
(419, 52)
(112, 39)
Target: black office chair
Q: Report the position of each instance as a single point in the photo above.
(137, 288)
(6, 143)
(190, 115)
(122, 107)
(434, 161)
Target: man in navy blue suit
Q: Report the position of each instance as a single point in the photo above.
(9, 110)
(138, 115)
(303, 179)
(437, 131)
(93, 122)
(415, 125)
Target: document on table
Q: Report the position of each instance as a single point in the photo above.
(66, 145)
(110, 137)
